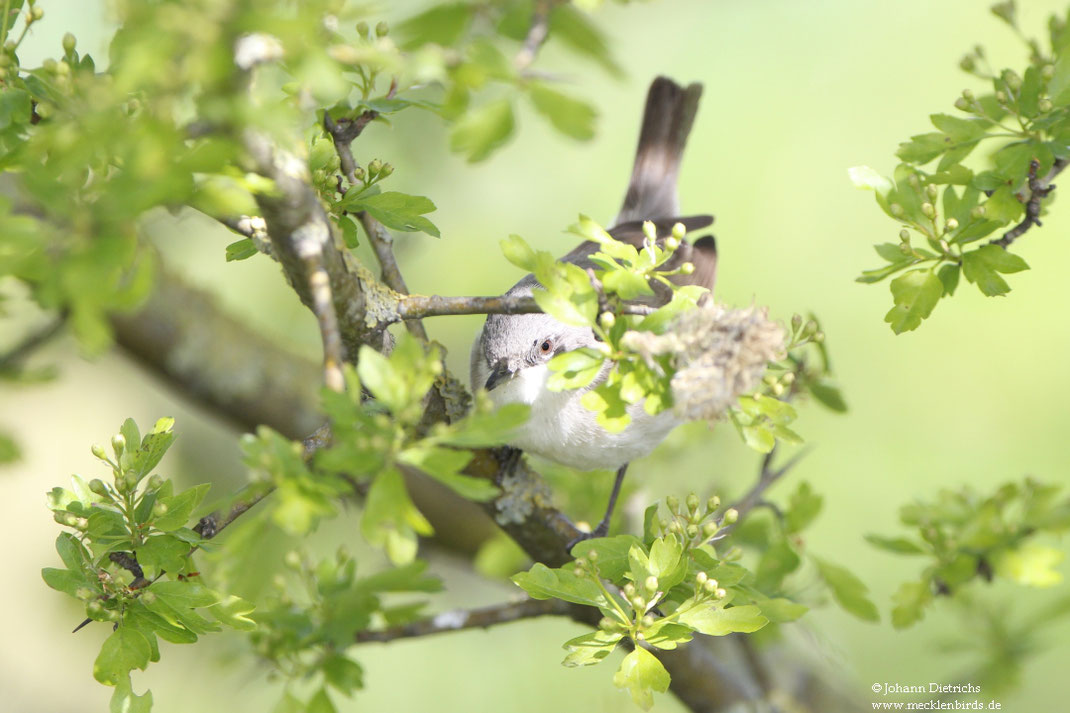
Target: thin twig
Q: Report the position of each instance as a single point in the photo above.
(417, 306)
(603, 302)
(537, 31)
(1038, 190)
(382, 243)
(766, 477)
(32, 342)
(461, 619)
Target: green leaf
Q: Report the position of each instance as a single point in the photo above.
(72, 552)
(379, 376)
(898, 545)
(923, 148)
(9, 450)
(959, 130)
(716, 620)
(949, 278)
(518, 252)
(390, 518)
(180, 507)
(444, 465)
(399, 211)
(910, 601)
(641, 673)
(481, 430)
(241, 250)
(126, 649)
(541, 582)
(176, 602)
(153, 446)
(828, 395)
(124, 700)
(915, 295)
(848, 590)
(611, 411)
(625, 284)
(590, 649)
(579, 34)
(441, 25)
(667, 635)
(343, 673)
(131, 433)
(163, 553)
(571, 117)
(981, 265)
(780, 610)
(866, 178)
(575, 369)
(64, 580)
(612, 557)
(14, 107)
(803, 508)
(667, 562)
(231, 611)
(1030, 564)
(320, 703)
(483, 130)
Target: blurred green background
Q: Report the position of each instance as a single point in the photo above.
(795, 94)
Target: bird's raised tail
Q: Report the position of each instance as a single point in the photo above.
(670, 111)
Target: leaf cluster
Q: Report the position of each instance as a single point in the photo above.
(951, 208)
(306, 625)
(126, 535)
(967, 536)
(657, 591)
(374, 440)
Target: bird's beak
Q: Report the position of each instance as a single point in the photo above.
(499, 373)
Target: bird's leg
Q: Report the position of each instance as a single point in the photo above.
(603, 526)
(508, 459)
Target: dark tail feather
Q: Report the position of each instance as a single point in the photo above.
(670, 111)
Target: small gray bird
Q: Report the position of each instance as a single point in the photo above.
(510, 354)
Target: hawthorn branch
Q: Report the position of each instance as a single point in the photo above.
(461, 619)
(417, 306)
(298, 227)
(1038, 189)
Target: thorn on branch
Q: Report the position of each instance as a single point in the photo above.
(1037, 190)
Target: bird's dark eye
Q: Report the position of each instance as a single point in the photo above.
(546, 346)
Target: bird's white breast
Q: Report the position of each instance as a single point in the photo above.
(561, 429)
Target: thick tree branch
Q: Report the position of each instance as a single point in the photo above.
(1038, 189)
(461, 619)
(298, 226)
(182, 336)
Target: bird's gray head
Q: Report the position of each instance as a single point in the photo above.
(511, 344)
